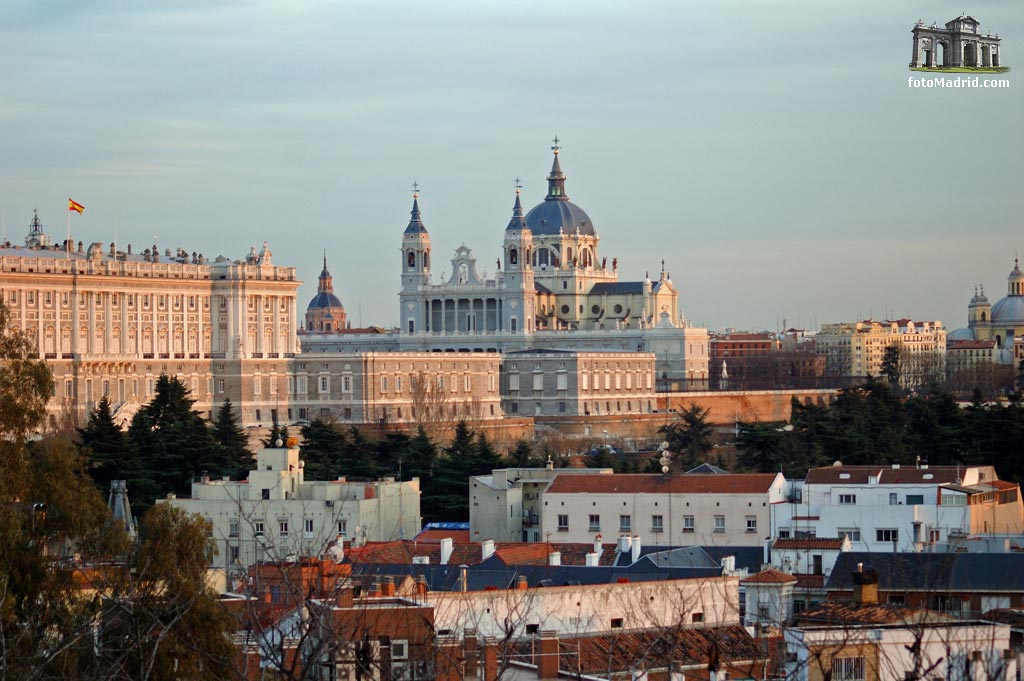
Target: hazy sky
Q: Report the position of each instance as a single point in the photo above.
(771, 152)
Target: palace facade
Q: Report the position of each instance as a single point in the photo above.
(109, 322)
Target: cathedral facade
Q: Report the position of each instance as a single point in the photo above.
(552, 289)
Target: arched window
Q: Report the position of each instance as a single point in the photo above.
(982, 316)
(426, 260)
(513, 256)
(412, 260)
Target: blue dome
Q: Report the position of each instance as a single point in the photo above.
(323, 301)
(961, 335)
(1009, 310)
(554, 215)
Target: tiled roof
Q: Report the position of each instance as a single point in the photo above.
(970, 344)
(1015, 618)
(733, 483)
(769, 576)
(401, 552)
(942, 572)
(659, 649)
(905, 475)
(832, 612)
(815, 543)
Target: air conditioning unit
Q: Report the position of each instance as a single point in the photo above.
(329, 503)
(399, 650)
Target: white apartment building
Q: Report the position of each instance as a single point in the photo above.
(505, 506)
(880, 508)
(670, 510)
(109, 322)
(276, 513)
(858, 349)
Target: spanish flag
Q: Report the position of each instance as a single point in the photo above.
(75, 206)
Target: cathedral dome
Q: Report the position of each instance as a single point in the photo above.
(1009, 310)
(324, 300)
(553, 217)
(557, 214)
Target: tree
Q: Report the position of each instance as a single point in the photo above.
(25, 382)
(761, 446)
(277, 433)
(174, 443)
(521, 456)
(689, 438)
(106, 447)
(232, 438)
(892, 364)
(323, 445)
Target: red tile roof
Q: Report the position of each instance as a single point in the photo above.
(820, 543)
(654, 649)
(970, 344)
(844, 614)
(401, 552)
(769, 576)
(732, 483)
(804, 581)
(904, 475)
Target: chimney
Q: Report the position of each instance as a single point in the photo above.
(464, 577)
(345, 598)
(547, 665)
(388, 587)
(555, 558)
(491, 658)
(597, 545)
(521, 584)
(728, 564)
(486, 549)
(636, 549)
(895, 466)
(421, 587)
(767, 551)
(865, 586)
(446, 550)
(470, 654)
(624, 543)
(593, 559)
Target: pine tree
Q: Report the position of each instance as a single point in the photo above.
(323, 445)
(107, 450)
(229, 434)
(174, 443)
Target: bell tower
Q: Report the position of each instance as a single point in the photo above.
(415, 250)
(415, 269)
(518, 277)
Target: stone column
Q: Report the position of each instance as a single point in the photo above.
(444, 320)
(275, 305)
(108, 323)
(56, 324)
(200, 353)
(90, 306)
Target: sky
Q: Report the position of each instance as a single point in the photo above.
(770, 151)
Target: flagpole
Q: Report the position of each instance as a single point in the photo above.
(68, 243)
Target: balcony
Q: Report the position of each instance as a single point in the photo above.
(530, 519)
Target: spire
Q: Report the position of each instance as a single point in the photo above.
(517, 221)
(556, 180)
(326, 284)
(416, 220)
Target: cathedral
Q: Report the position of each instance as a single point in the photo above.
(550, 277)
(1003, 321)
(551, 289)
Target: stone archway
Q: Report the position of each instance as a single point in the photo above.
(940, 54)
(970, 54)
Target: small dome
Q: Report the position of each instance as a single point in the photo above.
(324, 300)
(552, 217)
(961, 335)
(1009, 311)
